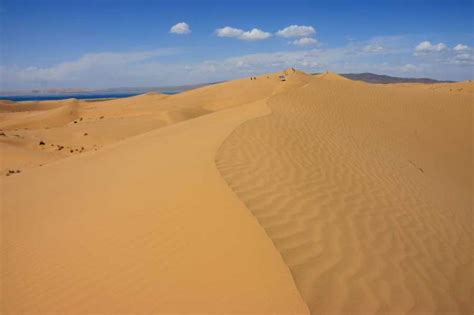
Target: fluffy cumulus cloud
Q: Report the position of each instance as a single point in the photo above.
(427, 47)
(461, 48)
(252, 35)
(296, 31)
(305, 41)
(462, 55)
(180, 28)
(463, 59)
(228, 32)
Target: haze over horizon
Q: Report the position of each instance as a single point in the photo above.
(105, 44)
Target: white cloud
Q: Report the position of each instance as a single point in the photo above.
(465, 58)
(426, 47)
(462, 55)
(228, 32)
(180, 28)
(373, 48)
(252, 35)
(255, 34)
(305, 41)
(451, 59)
(461, 48)
(296, 31)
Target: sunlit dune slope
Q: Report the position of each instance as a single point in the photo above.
(366, 191)
(144, 224)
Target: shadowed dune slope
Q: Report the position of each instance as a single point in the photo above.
(366, 191)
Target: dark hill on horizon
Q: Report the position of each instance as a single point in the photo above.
(385, 79)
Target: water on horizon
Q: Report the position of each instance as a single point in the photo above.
(81, 96)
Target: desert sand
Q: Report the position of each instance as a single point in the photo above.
(316, 194)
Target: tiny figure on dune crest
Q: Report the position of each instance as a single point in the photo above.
(11, 172)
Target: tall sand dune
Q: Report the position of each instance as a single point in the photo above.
(143, 225)
(366, 191)
(264, 195)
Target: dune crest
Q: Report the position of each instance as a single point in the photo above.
(328, 75)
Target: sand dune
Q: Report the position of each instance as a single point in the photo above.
(42, 117)
(10, 106)
(250, 196)
(366, 191)
(144, 225)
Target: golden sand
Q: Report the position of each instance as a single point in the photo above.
(366, 191)
(315, 194)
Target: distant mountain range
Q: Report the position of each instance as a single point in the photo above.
(385, 79)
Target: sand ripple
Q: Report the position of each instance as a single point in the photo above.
(366, 192)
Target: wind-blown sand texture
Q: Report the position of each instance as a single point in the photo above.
(257, 196)
(366, 191)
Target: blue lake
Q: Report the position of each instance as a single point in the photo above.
(82, 96)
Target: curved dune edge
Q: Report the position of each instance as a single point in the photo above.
(34, 134)
(352, 183)
(146, 225)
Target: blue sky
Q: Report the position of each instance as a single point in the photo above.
(105, 43)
